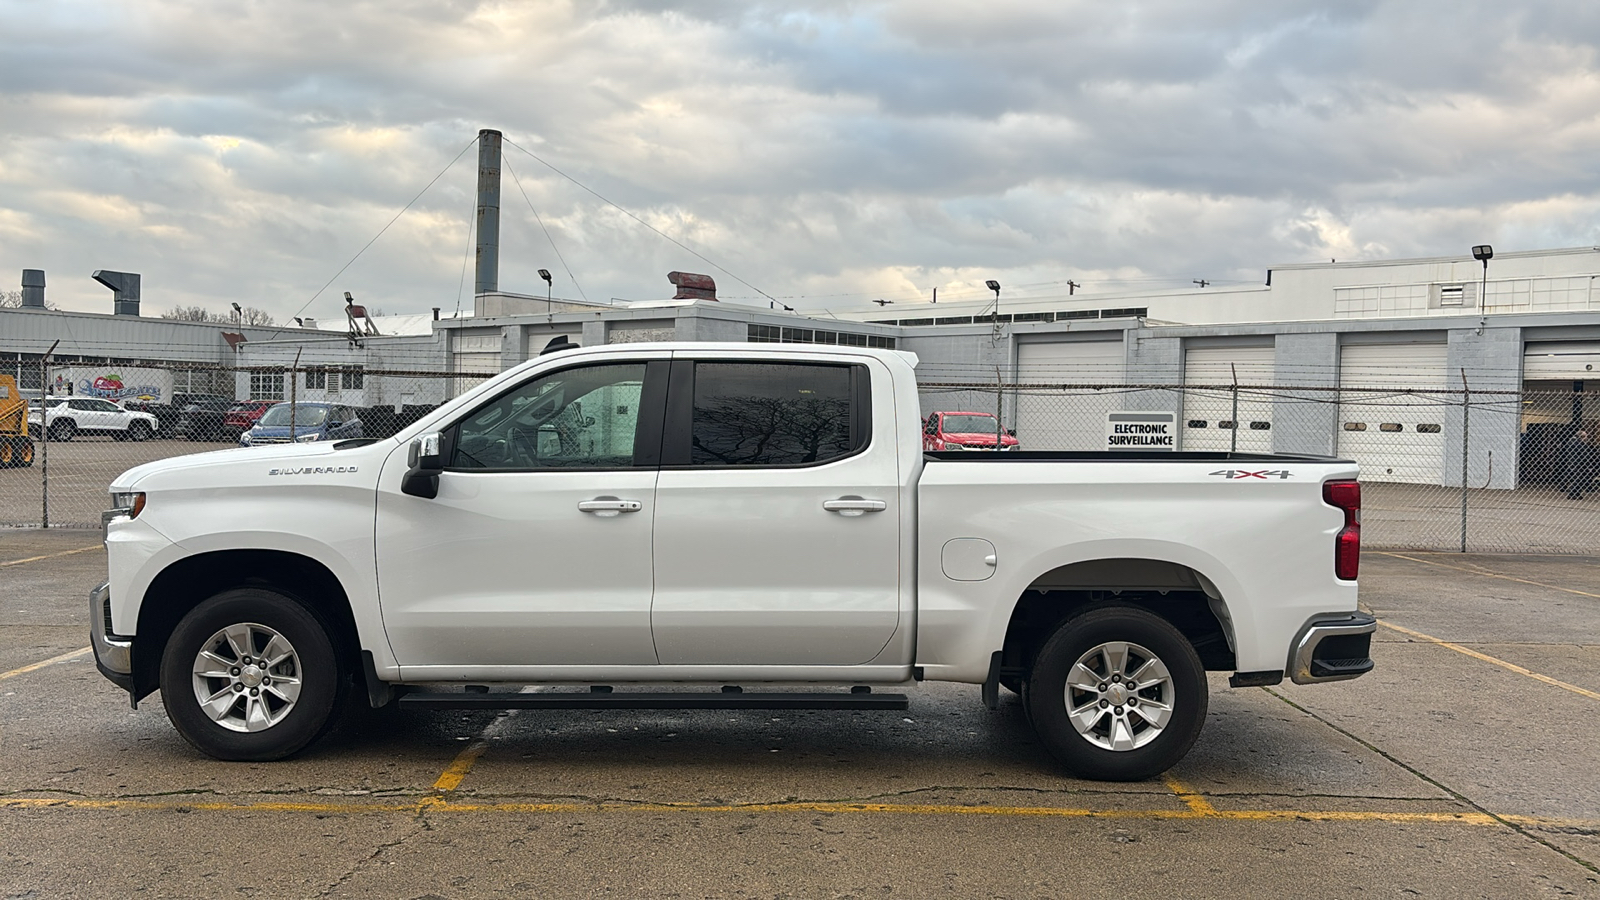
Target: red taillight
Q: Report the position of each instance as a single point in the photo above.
(1346, 495)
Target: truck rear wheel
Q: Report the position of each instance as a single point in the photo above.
(1117, 694)
(251, 675)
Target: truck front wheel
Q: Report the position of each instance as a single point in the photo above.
(1117, 694)
(251, 675)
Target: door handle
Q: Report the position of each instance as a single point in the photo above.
(605, 507)
(854, 506)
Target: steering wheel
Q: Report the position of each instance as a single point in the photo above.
(522, 450)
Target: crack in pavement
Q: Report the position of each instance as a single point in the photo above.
(1510, 822)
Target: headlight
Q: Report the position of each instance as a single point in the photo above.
(245, 439)
(306, 438)
(128, 503)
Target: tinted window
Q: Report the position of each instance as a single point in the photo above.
(771, 414)
(575, 418)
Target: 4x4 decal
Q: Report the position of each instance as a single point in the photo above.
(1264, 474)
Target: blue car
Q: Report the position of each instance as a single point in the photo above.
(312, 422)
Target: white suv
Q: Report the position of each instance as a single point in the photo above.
(71, 416)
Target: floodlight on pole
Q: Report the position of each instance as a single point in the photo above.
(994, 286)
(549, 285)
(1483, 253)
(238, 313)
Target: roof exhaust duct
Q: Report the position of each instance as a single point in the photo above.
(33, 289)
(487, 273)
(692, 286)
(124, 290)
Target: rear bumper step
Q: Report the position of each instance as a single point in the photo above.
(649, 700)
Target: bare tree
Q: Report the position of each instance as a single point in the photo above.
(194, 314)
(249, 315)
(13, 300)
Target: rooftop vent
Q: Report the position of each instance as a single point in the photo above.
(692, 286)
(33, 289)
(124, 290)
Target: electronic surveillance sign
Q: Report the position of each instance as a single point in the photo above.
(1141, 431)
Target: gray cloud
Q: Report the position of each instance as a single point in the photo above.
(247, 151)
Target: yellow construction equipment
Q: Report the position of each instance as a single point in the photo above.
(16, 448)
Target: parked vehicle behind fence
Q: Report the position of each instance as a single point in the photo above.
(68, 417)
(303, 423)
(964, 431)
(203, 420)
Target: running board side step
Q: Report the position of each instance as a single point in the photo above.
(648, 700)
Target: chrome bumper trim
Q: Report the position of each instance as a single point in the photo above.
(113, 653)
(1318, 629)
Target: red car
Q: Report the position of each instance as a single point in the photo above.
(963, 431)
(244, 415)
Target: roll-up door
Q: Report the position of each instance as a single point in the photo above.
(1072, 417)
(1392, 410)
(1208, 399)
(1571, 361)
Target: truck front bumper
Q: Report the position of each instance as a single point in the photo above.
(113, 654)
(1332, 647)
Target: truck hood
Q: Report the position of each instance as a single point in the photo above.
(246, 465)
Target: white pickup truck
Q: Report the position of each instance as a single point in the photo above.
(729, 515)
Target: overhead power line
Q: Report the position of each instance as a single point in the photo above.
(630, 215)
(375, 237)
(547, 236)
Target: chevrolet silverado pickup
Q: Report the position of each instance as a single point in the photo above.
(725, 526)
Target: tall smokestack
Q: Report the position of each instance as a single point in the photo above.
(124, 290)
(488, 270)
(33, 289)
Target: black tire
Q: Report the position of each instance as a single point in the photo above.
(63, 429)
(323, 680)
(138, 431)
(1184, 691)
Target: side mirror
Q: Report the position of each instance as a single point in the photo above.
(426, 461)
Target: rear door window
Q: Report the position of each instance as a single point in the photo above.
(775, 414)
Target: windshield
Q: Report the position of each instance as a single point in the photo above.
(304, 416)
(969, 424)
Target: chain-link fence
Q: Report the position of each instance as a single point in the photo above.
(1489, 471)
(1482, 471)
(88, 423)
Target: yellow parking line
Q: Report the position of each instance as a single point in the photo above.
(18, 562)
(49, 662)
(438, 805)
(1429, 562)
(1512, 667)
(1196, 803)
(451, 779)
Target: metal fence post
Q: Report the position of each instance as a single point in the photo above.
(44, 435)
(1233, 436)
(1466, 426)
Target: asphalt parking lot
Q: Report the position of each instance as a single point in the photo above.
(1467, 765)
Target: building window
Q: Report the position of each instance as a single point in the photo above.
(1427, 428)
(353, 378)
(772, 334)
(316, 379)
(266, 385)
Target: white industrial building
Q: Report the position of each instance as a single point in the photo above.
(1378, 351)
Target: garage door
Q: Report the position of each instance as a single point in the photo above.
(1073, 418)
(1208, 408)
(1394, 435)
(1572, 361)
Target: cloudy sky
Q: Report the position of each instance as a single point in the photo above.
(826, 153)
